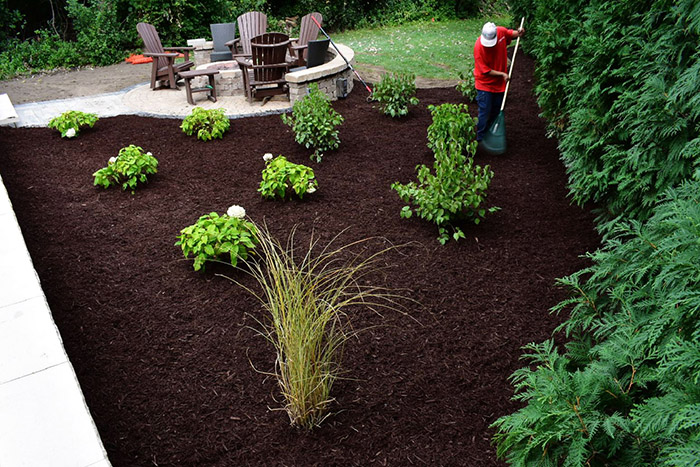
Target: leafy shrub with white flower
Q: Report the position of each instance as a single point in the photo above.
(214, 236)
(314, 122)
(130, 167)
(281, 177)
(206, 124)
(69, 123)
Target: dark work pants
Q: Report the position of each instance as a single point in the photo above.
(489, 107)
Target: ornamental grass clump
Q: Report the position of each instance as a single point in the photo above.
(395, 92)
(307, 293)
(457, 189)
(213, 237)
(130, 167)
(314, 122)
(70, 122)
(281, 177)
(206, 124)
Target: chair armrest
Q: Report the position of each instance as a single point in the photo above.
(299, 47)
(186, 50)
(159, 54)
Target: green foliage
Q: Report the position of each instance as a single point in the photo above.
(466, 86)
(281, 177)
(457, 189)
(129, 168)
(99, 37)
(619, 83)
(69, 122)
(214, 236)
(206, 124)
(314, 122)
(46, 51)
(394, 93)
(627, 389)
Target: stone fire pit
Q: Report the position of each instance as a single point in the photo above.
(229, 81)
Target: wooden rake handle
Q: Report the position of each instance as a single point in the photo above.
(512, 62)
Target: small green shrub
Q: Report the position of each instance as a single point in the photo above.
(129, 168)
(314, 122)
(206, 124)
(466, 86)
(281, 177)
(69, 123)
(394, 93)
(457, 189)
(213, 236)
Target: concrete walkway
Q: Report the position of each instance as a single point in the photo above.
(141, 100)
(44, 420)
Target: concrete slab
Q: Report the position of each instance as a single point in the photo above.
(45, 422)
(18, 279)
(8, 116)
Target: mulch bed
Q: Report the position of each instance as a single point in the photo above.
(164, 355)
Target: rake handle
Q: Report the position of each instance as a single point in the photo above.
(512, 62)
(339, 53)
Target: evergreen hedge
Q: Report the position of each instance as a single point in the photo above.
(619, 83)
(627, 389)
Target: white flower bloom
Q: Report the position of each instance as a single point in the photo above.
(70, 133)
(112, 160)
(311, 188)
(267, 157)
(149, 153)
(236, 211)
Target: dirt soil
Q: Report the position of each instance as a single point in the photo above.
(165, 355)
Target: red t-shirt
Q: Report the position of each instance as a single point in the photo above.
(492, 58)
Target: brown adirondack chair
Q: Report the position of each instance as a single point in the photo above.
(263, 73)
(308, 32)
(250, 25)
(164, 66)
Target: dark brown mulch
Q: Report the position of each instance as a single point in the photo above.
(164, 354)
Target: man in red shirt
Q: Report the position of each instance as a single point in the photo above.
(491, 72)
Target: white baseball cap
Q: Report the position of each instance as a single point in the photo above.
(489, 35)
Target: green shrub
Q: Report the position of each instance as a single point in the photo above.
(214, 236)
(129, 168)
(98, 32)
(280, 177)
(69, 123)
(627, 389)
(394, 93)
(457, 189)
(314, 122)
(206, 124)
(308, 294)
(46, 51)
(466, 86)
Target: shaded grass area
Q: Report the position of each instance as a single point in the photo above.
(439, 50)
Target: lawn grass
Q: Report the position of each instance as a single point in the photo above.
(439, 50)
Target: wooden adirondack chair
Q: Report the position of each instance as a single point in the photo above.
(263, 73)
(250, 25)
(308, 32)
(164, 66)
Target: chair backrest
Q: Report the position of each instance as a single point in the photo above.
(317, 52)
(309, 30)
(151, 41)
(222, 33)
(250, 25)
(269, 49)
